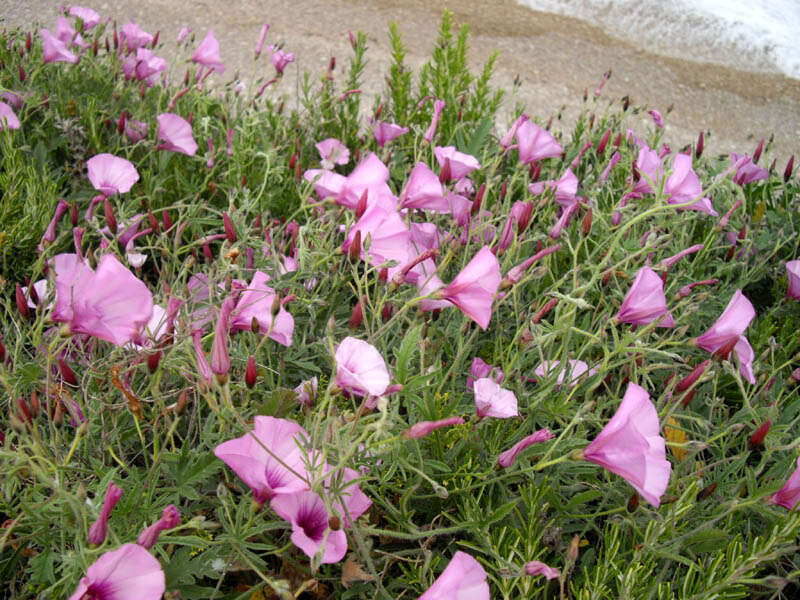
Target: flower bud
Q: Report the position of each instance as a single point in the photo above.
(356, 317)
(423, 428)
(446, 174)
(170, 518)
(633, 502)
(759, 149)
(230, 232)
(757, 439)
(110, 218)
(98, 530)
(706, 492)
(153, 360)
(586, 223)
(544, 310)
(476, 203)
(787, 173)
(354, 252)
(601, 145)
(66, 372)
(251, 374)
(698, 151)
(22, 303)
(688, 381)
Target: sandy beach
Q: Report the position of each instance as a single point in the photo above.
(554, 58)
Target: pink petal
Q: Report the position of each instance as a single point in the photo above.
(463, 578)
(176, 133)
(493, 401)
(360, 368)
(110, 174)
(730, 325)
(128, 573)
(309, 518)
(207, 53)
(7, 117)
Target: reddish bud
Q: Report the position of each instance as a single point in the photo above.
(503, 190)
(759, 149)
(207, 252)
(111, 220)
(626, 102)
(698, 151)
(633, 502)
(28, 42)
(476, 203)
(356, 317)
(94, 47)
(386, 311)
(618, 140)
(251, 374)
(688, 381)
(544, 310)
(153, 360)
(21, 73)
(757, 439)
(292, 161)
(586, 224)
(155, 39)
(121, 122)
(153, 221)
(688, 397)
(67, 374)
(230, 232)
(2, 352)
(446, 174)
(167, 221)
(787, 173)
(525, 218)
(378, 112)
(23, 412)
(601, 145)
(34, 404)
(22, 303)
(73, 215)
(354, 252)
(361, 206)
(724, 351)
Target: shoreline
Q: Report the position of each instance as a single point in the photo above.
(555, 58)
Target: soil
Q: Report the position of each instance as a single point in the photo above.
(554, 59)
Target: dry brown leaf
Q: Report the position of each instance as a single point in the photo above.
(352, 572)
(673, 433)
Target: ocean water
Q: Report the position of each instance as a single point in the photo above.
(753, 35)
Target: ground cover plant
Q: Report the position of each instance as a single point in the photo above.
(396, 351)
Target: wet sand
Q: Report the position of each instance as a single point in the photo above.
(554, 58)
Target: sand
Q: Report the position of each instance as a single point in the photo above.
(554, 58)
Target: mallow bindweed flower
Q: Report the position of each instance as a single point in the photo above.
(280, 58)
(571, 373)
(134, 37)
(270, 459)
(360, 368)
(111, 174)
(491, 400)
(127, 573)
(332, 152)
(631, 446)
(256, 304)
(109, 303)
(789, 495)
(89, 17)
(310, 529)
(645, 301)
(536, 567)
(176, 133)
(423, 190)
(473, 289)
(207, 53)
(793, 273)
(463, 578)
(461, 164)
(170, 518)
(726, 334)
(746, 170)
(683, 185)
(386, 132)
(8, 120)
(535, 143)
(54, 50)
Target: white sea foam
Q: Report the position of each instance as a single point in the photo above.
(754, 35)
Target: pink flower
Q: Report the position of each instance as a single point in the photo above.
(535, 143)
(793, 273)
(630, 446)
(307, 391)
(386, 132)
(539, 568)
(220, 358)
(135, 130)
(479, 368)
(170, 518)
(728, 332)
(493, 401)
(110, 174)
(508, 138)
(438, 107)
(684, 185)
(13, 99)
(280, 58)
(207, 53)
(747, 171)
(423, 428)
(270, 459)
(789, 495)
(256, 303)
(143, 66)
(473, 289)
(573, 372)
(54, 50)
(98, 530)
(650, 169)
(370, 176)
(135, 37)
(203, 368)
(424, 191)
(127, 573)
(360, 368)
(183, 33)
(109, 303)
(326, 183)
(310, 531)
(89, 17)
(176, 133)
(657, 118)
(332, 152)
(463, 578)
(460, 164)
(645, 301)
(262, 35)
(7, 117)
(565, 188)
(507, 458)
(389, 237)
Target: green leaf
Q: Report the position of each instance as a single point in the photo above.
(405, 353)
